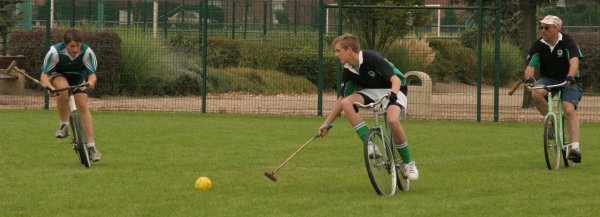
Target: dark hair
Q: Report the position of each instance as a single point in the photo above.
(72, 35)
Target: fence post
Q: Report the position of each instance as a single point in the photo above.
(72, 23)
(338, 72)
(245, 18)
(129, 8)
(233, 20)
(497, 60)
(265, 18)
(100, 14)
(204, 52)
(166, 12)
(320, 68)
(479, 38)
(26, 9)
(47, 45)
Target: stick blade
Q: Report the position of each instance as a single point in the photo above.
(271, 176)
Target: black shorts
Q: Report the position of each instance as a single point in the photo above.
(72, 78)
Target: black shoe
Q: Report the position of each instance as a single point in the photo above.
(575, 155)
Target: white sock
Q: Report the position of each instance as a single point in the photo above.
(66, 123)
(91, 144)
(574, 145)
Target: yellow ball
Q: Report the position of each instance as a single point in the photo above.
(203, 183)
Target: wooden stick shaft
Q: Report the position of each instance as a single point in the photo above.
(517, 85)
(294, 154)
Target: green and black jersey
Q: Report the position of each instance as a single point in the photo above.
(554, 61)
(374, 72)
(58, 59)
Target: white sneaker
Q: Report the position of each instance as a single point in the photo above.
(411, 172)
(373, 151)
(94, 154)
(62, 132)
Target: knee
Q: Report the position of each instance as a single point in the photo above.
(393, 120)
(538, 95)
(570, 112)
(82, 106)
(63, 95)
(347, 103)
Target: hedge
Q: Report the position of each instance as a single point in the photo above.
(106, 46)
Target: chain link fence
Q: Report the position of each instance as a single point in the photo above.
(262, 57)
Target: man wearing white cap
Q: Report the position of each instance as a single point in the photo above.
(558, 55)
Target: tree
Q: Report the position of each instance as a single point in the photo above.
(281, 16)
(522, 13)
(8, 19)
(449, 18)
(379, 28)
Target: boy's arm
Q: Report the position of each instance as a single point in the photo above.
(336, 109)
(395, 84)
(46, 80)
(92, 80)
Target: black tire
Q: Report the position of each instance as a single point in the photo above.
(565, 152)
(381, 169)
(79, 140)
(552, 150)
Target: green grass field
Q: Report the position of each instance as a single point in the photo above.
(151, 160)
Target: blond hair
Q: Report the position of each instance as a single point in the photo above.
(347, 41)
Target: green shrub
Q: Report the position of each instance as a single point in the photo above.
(411, 54)
(452, 61)
(306, 65)
(590, 66)
(184, 42)
(105, 45)
(142, 54)
(221, 80)
(258, 54)
(223, 52)
(148, 72)
(511, 63)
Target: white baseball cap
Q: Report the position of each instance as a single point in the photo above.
(552, 20)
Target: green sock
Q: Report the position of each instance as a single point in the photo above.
(404, 152)
(362, 130)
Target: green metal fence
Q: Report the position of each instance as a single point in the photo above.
(275, 57)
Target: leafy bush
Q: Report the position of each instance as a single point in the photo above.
(250, 80)
(184, 42)
(590, 66)
(148, 73)
(30, 43)
(306, 65)
(258, 54)
(411, 54)
(510, 61)
(223, 52)
(452, 60)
